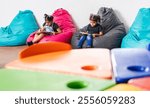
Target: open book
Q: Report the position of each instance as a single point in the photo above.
(45, 32)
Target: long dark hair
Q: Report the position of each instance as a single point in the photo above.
(95, 18)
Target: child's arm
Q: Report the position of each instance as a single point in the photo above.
(100, 33)
(97, 34)
(40, 30)
(58, 31)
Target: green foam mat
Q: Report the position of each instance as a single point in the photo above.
(14, 80)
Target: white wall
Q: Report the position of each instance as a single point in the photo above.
(79, 9)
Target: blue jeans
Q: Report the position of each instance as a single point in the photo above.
(88, 38)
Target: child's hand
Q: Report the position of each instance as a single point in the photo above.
(53, 33)
(94, 35)
(39, 31)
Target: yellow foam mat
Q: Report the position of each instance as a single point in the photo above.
(124, 87)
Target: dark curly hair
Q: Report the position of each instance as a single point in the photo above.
(94, 17)
(48, 17)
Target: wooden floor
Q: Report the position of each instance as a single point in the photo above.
(8, 54)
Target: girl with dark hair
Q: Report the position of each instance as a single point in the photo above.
(94, 29)
(49, 28)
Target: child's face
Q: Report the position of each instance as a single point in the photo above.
(48, 23)
(92, 23)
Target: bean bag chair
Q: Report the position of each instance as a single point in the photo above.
(148, 47)
(65, 22)
(139, 33)
(113, 30)
(19, 29)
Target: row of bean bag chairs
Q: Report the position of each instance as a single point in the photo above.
(24, 25)
(139, 33)
(66, 24)
(19, 29)
(113, 30)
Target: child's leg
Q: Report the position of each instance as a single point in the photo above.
(89, 40)
(38, 37)
(81, 41)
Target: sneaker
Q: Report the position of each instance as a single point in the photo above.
(30, 43)
(79, 47)
(88, 46)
